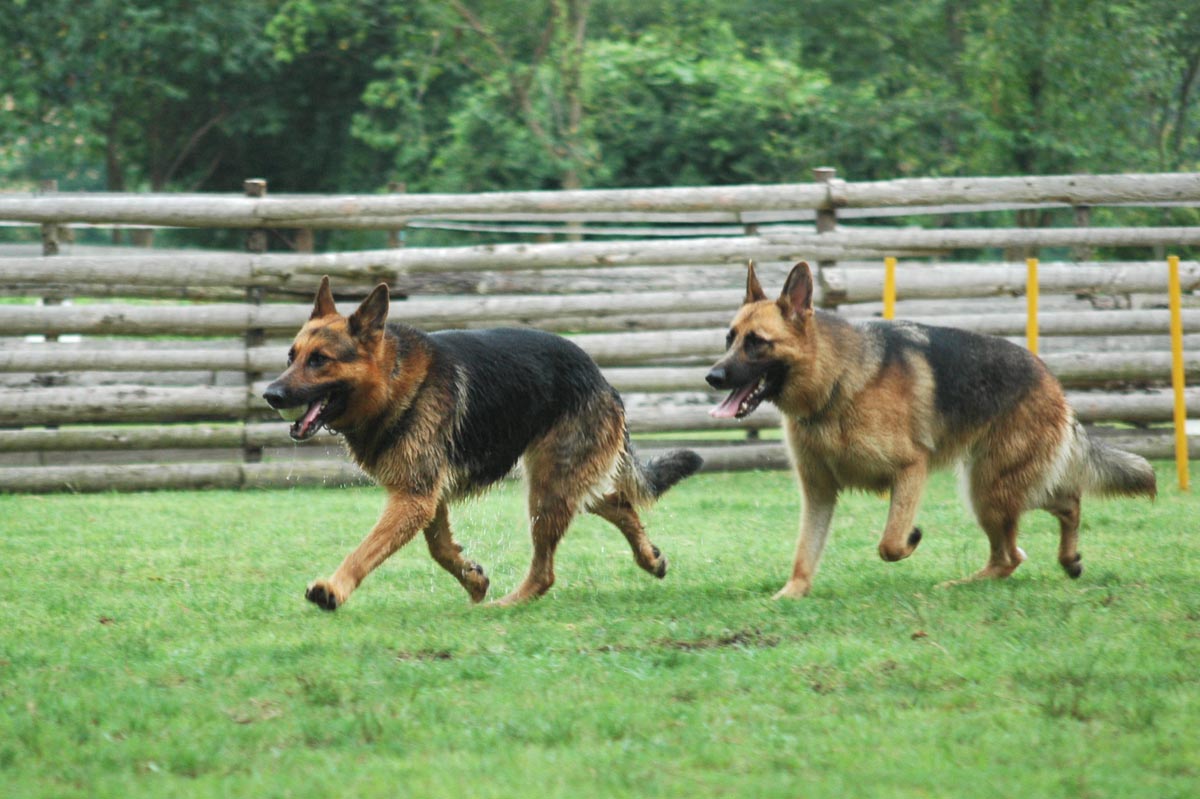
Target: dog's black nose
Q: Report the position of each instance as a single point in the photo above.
(274, 396)
(716, 377)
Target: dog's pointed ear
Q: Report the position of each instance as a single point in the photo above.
(796, 301)
(754, 291)
(323, 306)
(370, 317)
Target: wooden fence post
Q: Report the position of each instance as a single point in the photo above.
(1083, 218)
(256, 242)
(395, 236)
(831, 296)
(51, 235)
(304, 241)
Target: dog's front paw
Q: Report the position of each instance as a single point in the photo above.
(794, 589)
(659, 566)
(323, 596)
(476, 582)
(892, 551)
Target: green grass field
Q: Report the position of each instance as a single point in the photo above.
(159, 645)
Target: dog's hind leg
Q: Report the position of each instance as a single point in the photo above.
(1066, 510)
(997, 495)
(566, 471)
(549, 517)
(448, 554)
(1006, 556)
(621, 514)
(402, 517)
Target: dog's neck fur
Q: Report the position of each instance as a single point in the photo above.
(407, 356)
(811, 398)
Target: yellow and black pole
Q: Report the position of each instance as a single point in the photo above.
(1177, 376)
(1031, 304)
(889, 288)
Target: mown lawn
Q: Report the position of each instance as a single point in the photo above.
(159, 645)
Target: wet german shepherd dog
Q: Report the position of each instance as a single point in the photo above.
(436, 417)
(878, 406)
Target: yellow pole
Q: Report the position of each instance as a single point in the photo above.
(1181, 443)
(1031, 307)
(889, 288)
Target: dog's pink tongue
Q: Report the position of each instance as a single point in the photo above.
(729, 408)
(310, 417)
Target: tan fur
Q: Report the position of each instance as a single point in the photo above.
(583, 462)
(853, 419)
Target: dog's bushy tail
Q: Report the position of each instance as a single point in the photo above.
(646, 482)
(1112, 471)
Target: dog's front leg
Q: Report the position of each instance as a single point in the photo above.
(820, 499)
(900, 538)
(403, 517)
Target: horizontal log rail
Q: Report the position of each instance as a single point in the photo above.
(921, 281)
(331, 473)
(856, 282)
(130, 404)
(285, 320)
(643, 420)
(606, 349)
(292, 271)
(284, 271)
(334, 473)
(203, 210)
(217, 319)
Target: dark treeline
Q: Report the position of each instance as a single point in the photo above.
(349, 95)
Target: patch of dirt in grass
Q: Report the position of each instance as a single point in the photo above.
(424, 655)
(740, 639)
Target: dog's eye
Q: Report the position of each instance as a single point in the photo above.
(755, 342)
(291, 356)
(729, 339)
(317, 360)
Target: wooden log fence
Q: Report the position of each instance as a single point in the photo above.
(653, 314)
(850, 284)
(606, 347)
(294, 473)
(278, 271)
(386, 211)
(146, 404)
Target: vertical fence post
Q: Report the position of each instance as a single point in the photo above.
(889, 288)
(395, 236)
(827, 223)
(50, 232)
(1083, 218)
(51, 236)
(1031, 304)
(1177, 375)
(256, 242)
(304, 241)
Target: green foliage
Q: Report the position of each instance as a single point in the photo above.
(159, 644)
(657, 112)
(128, 91)
(665, 111)
(1030, 67)
(347, 95)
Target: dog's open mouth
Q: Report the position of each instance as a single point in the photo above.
(742, 401)
(307, 420)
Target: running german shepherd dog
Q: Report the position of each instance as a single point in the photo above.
(436, 417)
(877, 406)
